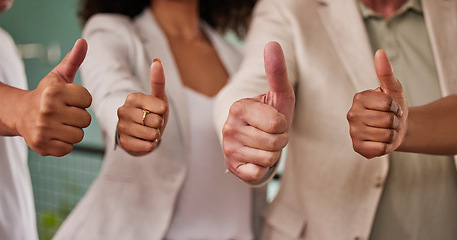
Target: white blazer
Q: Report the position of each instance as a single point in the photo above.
(134, 197)
(328, 191)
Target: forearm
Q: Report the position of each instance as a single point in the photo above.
(108, 72)
(432, 128)
(11, 98)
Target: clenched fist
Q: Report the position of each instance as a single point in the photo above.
(377, 118)
(51, 117)
(257, 128)
(143, 117)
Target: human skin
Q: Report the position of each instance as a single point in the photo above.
(257, 128)
(377, 118)
(134, 137)
(50, 118)
(251, 152)
(381, 122)
(5, 5)
(192, 52)
(384, 7)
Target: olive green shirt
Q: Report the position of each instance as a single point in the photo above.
(419, 200)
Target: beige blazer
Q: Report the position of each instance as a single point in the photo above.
(134, 197)
(328, 191)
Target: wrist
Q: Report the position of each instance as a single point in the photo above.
(12, 112)
(408, 139)
(20, 112)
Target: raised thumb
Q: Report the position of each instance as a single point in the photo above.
(389, 82)
(68, 67)
(281, 94)
(157, 79)
(275, 68)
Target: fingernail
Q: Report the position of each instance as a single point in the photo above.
(400, 112)
(388, 148)
(156, 60)
(266, 98)
(394, 135)
(396, 123)
(395, 108)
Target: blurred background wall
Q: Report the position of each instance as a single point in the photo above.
(45, 31)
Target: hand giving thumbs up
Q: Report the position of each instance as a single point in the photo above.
(142, 118)
(52, 116)
(377, 118)
(257, 128)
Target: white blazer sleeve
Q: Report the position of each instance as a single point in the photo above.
(107, 71)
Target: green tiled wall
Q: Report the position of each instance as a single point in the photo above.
(59, 183)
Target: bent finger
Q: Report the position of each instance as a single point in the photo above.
(68, 134)
(379, 135)
(255, 138)
(77, 96)
(58, 148)
(138, 131)
(76, 117)
(370, 149)
(379, 119)
(259, 115)
(136, 146)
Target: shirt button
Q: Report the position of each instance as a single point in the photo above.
(379, 182)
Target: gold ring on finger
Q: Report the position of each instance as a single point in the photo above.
(145, 113)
